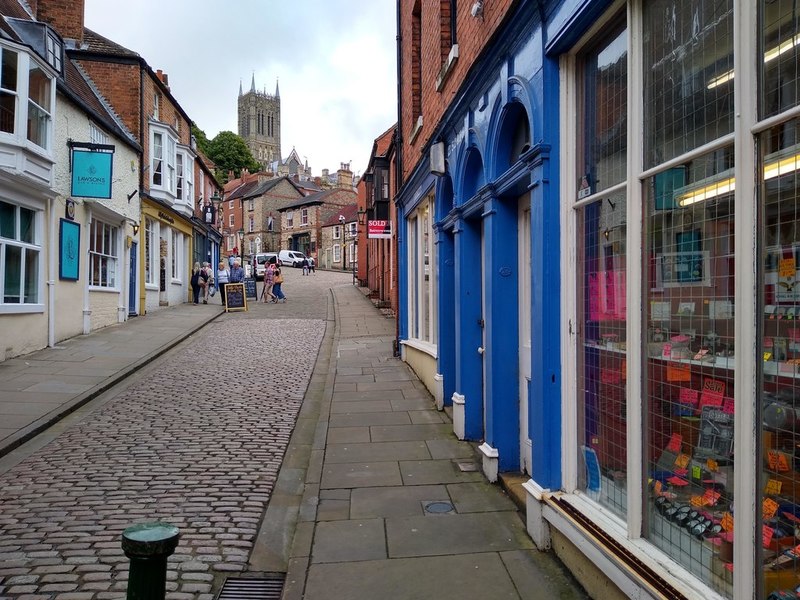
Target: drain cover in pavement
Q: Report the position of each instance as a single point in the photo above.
(253, 588)
(438, 507)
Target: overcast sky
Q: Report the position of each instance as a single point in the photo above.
(335, 62)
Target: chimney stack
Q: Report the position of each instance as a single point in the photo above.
(65, 16)
(345, 176)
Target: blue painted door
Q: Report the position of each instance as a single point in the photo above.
(132, 281)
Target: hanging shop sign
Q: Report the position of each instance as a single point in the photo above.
(92, 166)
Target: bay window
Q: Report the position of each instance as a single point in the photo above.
(8, 89)
(39, 106)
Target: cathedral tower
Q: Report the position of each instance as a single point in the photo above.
(260, 123)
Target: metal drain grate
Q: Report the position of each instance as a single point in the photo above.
(253, 588)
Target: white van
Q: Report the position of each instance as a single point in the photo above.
(261, 260)
(291, 258)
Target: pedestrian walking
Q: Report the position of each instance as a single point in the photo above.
(206, 278)
(269, 281)
(237, 272)
(223, 277)
(195, 283)
(312, 264)
(305, 265)
(277, 283)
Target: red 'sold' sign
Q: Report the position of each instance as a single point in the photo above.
(379, 229)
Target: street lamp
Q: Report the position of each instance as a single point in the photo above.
(240, 233)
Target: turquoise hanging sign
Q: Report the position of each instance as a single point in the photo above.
(91, 173)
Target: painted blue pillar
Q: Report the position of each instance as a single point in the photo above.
(468, 281)
(501, 358)
(545, 394)
(445, 252)
(402, 274)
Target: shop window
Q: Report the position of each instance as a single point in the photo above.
(103, 254)
(779, 487)
(688, 66)
(780, 86)
(601, 285)
(688, 364)
(176, 254)
(20, 251)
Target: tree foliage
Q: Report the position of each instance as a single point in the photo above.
(228, 151)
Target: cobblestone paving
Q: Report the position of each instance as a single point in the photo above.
(179, 447)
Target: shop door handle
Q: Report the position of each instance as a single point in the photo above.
(481, 350)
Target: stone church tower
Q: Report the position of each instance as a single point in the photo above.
(260, 124)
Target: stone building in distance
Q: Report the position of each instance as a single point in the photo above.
(260, 123)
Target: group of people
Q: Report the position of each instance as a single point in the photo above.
(273, 280)
(205, 283)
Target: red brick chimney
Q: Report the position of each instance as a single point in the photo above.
(65, 16)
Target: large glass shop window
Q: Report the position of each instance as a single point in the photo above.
(688, 364)
(688, 87)
(688, 286)
(779, 308)
(601, 286)
(780, 353)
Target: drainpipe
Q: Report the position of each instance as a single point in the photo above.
(87, 312)
(51, 280)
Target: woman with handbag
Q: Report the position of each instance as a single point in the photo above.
(277, 283)
(195, 282)
(223, 277)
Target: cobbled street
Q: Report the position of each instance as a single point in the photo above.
(196, 441)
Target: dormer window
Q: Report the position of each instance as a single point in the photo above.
(156, 106)
(54, 51)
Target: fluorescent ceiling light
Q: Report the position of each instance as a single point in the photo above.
(769, 56)
(776, 168)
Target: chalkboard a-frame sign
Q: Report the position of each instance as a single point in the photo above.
(235, 297)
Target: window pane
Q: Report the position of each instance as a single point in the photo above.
(38, 122)
(8, 74)
(779, 348)
(39, 87)
(688, 87)
(12, 280)
(8, 216)
(31, 276)
(27, 225)
(602, 413)
(8, 103)
(688, 408)
(779, 71)
(605, 109)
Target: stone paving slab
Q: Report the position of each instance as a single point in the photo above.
(391, 433)
(392, 451)
(343, 435)
(369, 419)
(438, 535)
(353, 540)
(402, 501)
(362, 406)
(369, 474)
(479, 496)
(429, 578)
(425, 472)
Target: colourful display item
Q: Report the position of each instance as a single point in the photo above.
(91, 173)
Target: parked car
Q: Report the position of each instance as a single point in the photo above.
(291, 258)
(261, 260)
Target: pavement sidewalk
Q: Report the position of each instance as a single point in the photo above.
(40, 388)
(377, 498)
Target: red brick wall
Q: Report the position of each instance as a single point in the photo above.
(119, 84)
(472, 34)
(65, 16)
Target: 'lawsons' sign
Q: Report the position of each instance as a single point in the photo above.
(91, 173)
(379, 229)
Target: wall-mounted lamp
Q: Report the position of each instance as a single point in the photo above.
(361, 214)
(477, 9)
(135, 228)
(606, 233)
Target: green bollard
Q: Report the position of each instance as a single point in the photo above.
(148, 545)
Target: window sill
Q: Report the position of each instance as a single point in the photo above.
(422, 346)
(151, 287)
(19, 309)
(447, 68)
(104, 290)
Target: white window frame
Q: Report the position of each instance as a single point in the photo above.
(230, 220)
(420, 302)
(746, 127)
(107, 255)
(54, 51)
(337, 232)
(176, 254)
(251, 224)
(97, 135)
(289, 219)
(34, 246)
(304, 216)
(352, 229)
(337, 253)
